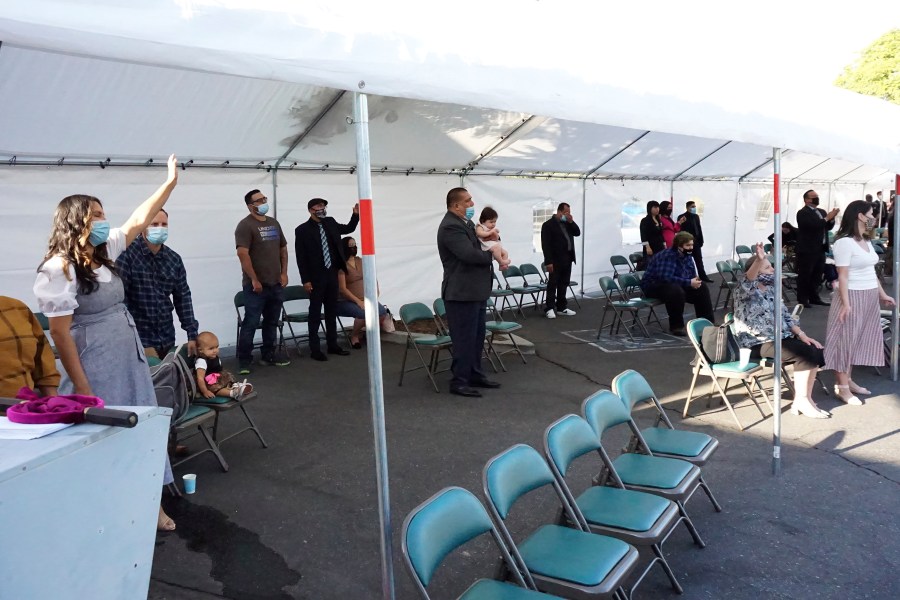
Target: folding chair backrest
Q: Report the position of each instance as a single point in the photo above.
(439, 525)
(512, 271)
(295, 292)
(743, 262)
(43, 320)
(723, 267)
(734, 265)
(500, 285)
(530, 269)
(695, 329)
(239, 300)
(742, 250)
(439, 308)
(631, 387)
(627, 281)
(567, 439)
(617, 260)
(608, 286)
(604, 410)
(512, 474)
(173, 384)
(415, 311)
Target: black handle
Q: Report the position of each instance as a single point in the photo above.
(110, 416)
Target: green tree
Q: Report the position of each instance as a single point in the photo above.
(877, 72)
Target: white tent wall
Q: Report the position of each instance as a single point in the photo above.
(718, 212)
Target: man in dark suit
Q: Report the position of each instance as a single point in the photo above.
(691, 224)
(813, 225)
(318, 249)
(465, 290)
(558, 235)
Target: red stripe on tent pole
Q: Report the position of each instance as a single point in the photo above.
(368, 226)
(777, 193)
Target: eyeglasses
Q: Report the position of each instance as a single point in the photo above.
(259, 201)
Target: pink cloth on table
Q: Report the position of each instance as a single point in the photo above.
(54, 409)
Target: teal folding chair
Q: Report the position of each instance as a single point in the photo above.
(695, 447)
(747, 374)
(500, 295)
(637, 518)
(742, 251)
(568, 561)
(630, 284)
(446, 521)
(620, 308)
(537, 279)
(499, 327)
(618, 261)
(417, 312)
(728, 283)
(670, 478)
(522, 288)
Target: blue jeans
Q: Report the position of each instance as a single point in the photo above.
(345, 308)
(265, 304)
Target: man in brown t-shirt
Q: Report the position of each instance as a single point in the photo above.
(262, 250)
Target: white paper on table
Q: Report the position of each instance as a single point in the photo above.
(22, 431)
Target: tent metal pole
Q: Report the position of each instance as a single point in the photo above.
(373, 329)
(275, 193)
(895, 280)
(624, 148)
(737, 202)
(583, 229)
(779, 322)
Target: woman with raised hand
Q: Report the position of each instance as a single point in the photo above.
(77, 287)
(854, 327)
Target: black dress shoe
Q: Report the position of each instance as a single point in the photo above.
(679, 331)
(318, 356)
(485, 383)
(339, 351)
(820, 302)
(465, 391)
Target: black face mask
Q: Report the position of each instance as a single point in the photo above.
(815, 201)
(352, 251)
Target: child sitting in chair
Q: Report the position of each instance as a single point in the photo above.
(212, 380)
(487, 232)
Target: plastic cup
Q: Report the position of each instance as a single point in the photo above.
(745, 356)
(190, 483)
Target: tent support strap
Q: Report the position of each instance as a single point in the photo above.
(373, 329)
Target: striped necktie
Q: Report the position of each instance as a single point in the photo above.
(326, 255)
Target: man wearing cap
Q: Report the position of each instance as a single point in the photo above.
(318, 249)
(262, 250)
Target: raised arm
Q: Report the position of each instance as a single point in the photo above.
(143, 215)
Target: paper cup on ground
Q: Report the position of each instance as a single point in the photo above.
(745, 356)
(190, 483)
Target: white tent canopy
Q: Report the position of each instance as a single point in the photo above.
(560, 109)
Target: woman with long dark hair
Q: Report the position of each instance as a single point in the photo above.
(651, 231)
(669, 227)
(352, 297)
(77, 287)
(854, 330)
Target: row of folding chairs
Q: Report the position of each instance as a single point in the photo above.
(432, 344)
(627, 265)
(638, 500)
(624, 298)
(524, 291)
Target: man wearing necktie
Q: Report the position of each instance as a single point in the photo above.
(318, 249)
(813, 225)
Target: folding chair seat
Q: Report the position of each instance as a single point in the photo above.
(618, 261)
(220, 405)
(619, 309)
(569, 561)
(445, 522)
(695, 447)
(747, 375)
(670, 478)
(571, 285)
(417, 312)
(630, 284)
(524, 288)
(500, 327)
(633, 517)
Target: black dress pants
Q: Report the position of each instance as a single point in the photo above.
(558, 286)
(810, 267)
(324, 295)
(466, 322)
(676, 295)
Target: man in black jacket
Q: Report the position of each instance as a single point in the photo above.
(465, 290)
(692, 225)
(318, 249)
(558, 235)
(813, 223)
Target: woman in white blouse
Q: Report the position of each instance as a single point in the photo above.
(854, 329)
(78, 289)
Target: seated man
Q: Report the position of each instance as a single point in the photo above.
(26, 359)
(672, 277)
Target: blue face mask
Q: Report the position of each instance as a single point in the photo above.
(157, 235)
(563, 218)
(470, 212)
(693, 210)
(263, 208)
(99, 232)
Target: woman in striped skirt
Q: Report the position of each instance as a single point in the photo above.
(854, 329)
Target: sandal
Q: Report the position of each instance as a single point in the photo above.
(843, 392)
(164, 522)
(239, 389)
(858, 389)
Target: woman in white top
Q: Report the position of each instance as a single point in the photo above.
(854, 329)
(77, 287)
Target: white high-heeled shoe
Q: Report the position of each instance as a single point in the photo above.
(844, 394)
(802, 406)
(858, 389)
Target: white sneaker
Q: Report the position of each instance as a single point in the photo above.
(550, 314)
(568, 312)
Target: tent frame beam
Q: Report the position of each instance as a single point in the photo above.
(590, 173)
(496, 145)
